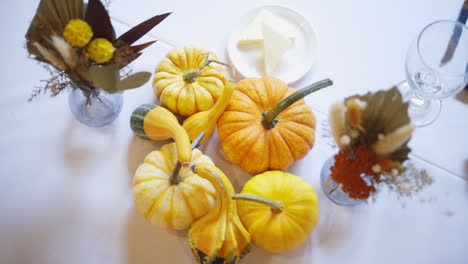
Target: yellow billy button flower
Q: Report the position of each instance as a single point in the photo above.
(100, 50)
(78, 33)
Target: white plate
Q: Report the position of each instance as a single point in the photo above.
(296, 62)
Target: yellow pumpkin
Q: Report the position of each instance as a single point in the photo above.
(218, 236)
(170, 195)
(185, 84)
(279, 210)
(267, 125)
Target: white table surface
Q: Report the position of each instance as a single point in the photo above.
(66, 195)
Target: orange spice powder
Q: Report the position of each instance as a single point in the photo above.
(347, 170)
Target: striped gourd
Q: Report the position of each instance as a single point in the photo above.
(150, 121)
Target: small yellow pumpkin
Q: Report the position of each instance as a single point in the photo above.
(267, 125)
(185, 84)
(279, 210)
(170, 195)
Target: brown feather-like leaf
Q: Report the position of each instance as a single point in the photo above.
(99, 20)
(141, 29)
(43, 22)
(138, 48)
(124, 55)
(133, 59)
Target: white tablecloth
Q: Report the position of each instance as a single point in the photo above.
(67, 188)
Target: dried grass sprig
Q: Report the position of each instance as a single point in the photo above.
(58, 82)
(337, 122)
(394, 140)
(66, 51)
(50, 56)
(355, 107)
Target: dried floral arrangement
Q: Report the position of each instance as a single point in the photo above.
(77, 43)
(371, 132)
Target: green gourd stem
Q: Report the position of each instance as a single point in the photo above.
(269, 119)
(175, 177)
(276, 206)
(191, 77)
(231, 70)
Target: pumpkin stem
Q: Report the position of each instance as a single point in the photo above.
(276, 206)
(191, 77)
(175, 177)
(269, 119)
(231, 70)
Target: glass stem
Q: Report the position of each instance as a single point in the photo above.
(418, 103)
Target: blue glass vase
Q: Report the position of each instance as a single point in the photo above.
(95, 109)
(333, 190)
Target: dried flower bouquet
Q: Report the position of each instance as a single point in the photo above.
(78, 44)
(372, 132)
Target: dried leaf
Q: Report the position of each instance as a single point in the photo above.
(133, 81)
(84, 73)
(99, 20)
(50, 13)
(123, 55)
(105, 77)
(132, 59)
(140, 30)
(41, 25)
(396, 116)
(138, 48)
(62, 10)
(385, 112)
(78, 9)
(51, 17)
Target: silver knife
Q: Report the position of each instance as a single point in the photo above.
(462, 17)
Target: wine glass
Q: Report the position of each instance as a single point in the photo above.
(436, 68)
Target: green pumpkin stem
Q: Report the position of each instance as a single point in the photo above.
(191, 77)
(276, 206)
(175, 177)
(269, 119)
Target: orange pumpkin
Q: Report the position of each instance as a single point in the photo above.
(267, 125)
